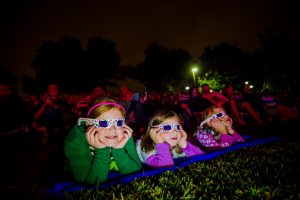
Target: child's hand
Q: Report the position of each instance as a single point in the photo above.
(155, 135)
(92, 136)
(218, 126)
(182, 143)
(125, 137)
(49, 102)
(228, 125)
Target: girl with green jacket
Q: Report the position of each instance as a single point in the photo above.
(101, 143)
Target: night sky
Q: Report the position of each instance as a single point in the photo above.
(133, 25)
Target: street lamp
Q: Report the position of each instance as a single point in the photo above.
(194, 69)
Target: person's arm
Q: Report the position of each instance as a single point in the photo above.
(44, 103)
(162, 158)
(209, 141)
(234, 110)
(84, 167)
(38, 113)
(222, 97)
(127, 158)
(216, 98)
(191, 150)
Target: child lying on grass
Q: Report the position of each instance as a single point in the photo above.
(216, 131)
(101, 143)
(164, 141)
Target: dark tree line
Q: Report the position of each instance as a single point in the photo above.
(66, 63)
(163, 67)
(272, 66)
(75, 69)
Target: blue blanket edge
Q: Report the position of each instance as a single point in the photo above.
(60, 188)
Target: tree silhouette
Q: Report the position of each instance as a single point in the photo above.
(227, 63)
(59, 62)
(67, 64)
(128, 71)
(75, 69)
(278, 61)
(101, 60)
(7, 77)
(163, 67)
(30, 85)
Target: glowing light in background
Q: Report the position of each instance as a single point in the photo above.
(194, 69)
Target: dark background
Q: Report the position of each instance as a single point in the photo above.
(133, 25)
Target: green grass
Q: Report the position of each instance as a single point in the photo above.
(269, 171)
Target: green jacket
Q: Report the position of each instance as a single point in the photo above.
(94, 169)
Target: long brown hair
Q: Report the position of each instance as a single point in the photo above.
(147, 143)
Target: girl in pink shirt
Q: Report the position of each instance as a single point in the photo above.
(216, 130)
(164, 141)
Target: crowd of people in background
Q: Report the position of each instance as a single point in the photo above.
(39, 121)
(46, 118)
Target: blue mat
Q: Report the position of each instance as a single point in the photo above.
(60, 188)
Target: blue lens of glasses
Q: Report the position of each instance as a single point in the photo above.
(170, 127)
(167, 127)
(108, 123)
(120, 122)
(219, 114)
(177, 127)
(103, 124)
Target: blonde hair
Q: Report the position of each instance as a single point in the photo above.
(209, 111)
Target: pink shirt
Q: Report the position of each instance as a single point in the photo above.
(163, 156)
(212, 142)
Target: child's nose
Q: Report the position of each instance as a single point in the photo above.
(174, 132)
(112, 127)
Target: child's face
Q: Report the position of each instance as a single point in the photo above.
(112, 135)
(224, 118)
(173, 136)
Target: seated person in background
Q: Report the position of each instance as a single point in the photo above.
(197, 106)
(275, 109)
(52, 114)
(125, 97)
(216, 130)
(196, 103)
(97, 93)
(136, 118)
(214, 97)
(164, 141)
(101, 143)
(237, 103)
(84, 101)
(185, 111)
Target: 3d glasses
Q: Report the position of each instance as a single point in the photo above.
(215, 116)
(118, 123)
(168, 127)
